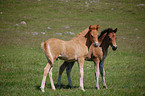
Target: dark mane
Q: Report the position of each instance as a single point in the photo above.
(105, 31)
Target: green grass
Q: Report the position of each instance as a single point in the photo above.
(22, 60)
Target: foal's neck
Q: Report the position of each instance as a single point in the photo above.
(84, 38)
(104, 44)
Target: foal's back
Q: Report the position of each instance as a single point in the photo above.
(66, 50)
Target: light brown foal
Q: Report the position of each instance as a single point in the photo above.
(74, 50)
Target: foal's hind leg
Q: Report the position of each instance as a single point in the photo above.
(96, 63)
(61, 69)
(68, 70)
(102, 71)
(46, 70)
(68, 66)
(51, 80)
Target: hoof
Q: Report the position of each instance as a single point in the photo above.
(53, 89)
(42, 89)
(82, 89)
(97, 88)
(58, 86)
(105, 87)
(70, 86)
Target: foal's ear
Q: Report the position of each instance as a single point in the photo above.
(90, 26)
(97, 27)
(115, 30)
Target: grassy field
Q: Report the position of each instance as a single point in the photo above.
(22, 60)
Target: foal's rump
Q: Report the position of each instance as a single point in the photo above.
(52, 48)
(66, 50)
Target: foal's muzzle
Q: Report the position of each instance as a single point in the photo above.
(96, 44)
(114, 48)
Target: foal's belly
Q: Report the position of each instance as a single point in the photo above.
(67, 58)
(73, 53)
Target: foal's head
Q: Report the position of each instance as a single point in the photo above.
(111, 37)
(94, 34)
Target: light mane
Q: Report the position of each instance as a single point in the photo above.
(82, 34)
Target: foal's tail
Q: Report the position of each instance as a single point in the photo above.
(47, 52)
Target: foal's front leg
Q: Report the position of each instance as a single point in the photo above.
(102, 71)
(81, 64)
(96, 63)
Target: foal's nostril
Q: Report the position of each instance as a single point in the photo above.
(96, 44)
(114, 48)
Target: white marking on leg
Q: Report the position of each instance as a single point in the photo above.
(97, 80)
(51, 80)
(50, 52)
(46, 69)
(97, 74)
(81, 79)
(81, 63)
(43, 83)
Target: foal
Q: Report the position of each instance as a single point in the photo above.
(96, 54)
(74, 50)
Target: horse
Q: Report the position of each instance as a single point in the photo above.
(97, 55)
(73, 50)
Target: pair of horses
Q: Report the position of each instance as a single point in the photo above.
(86, 45)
